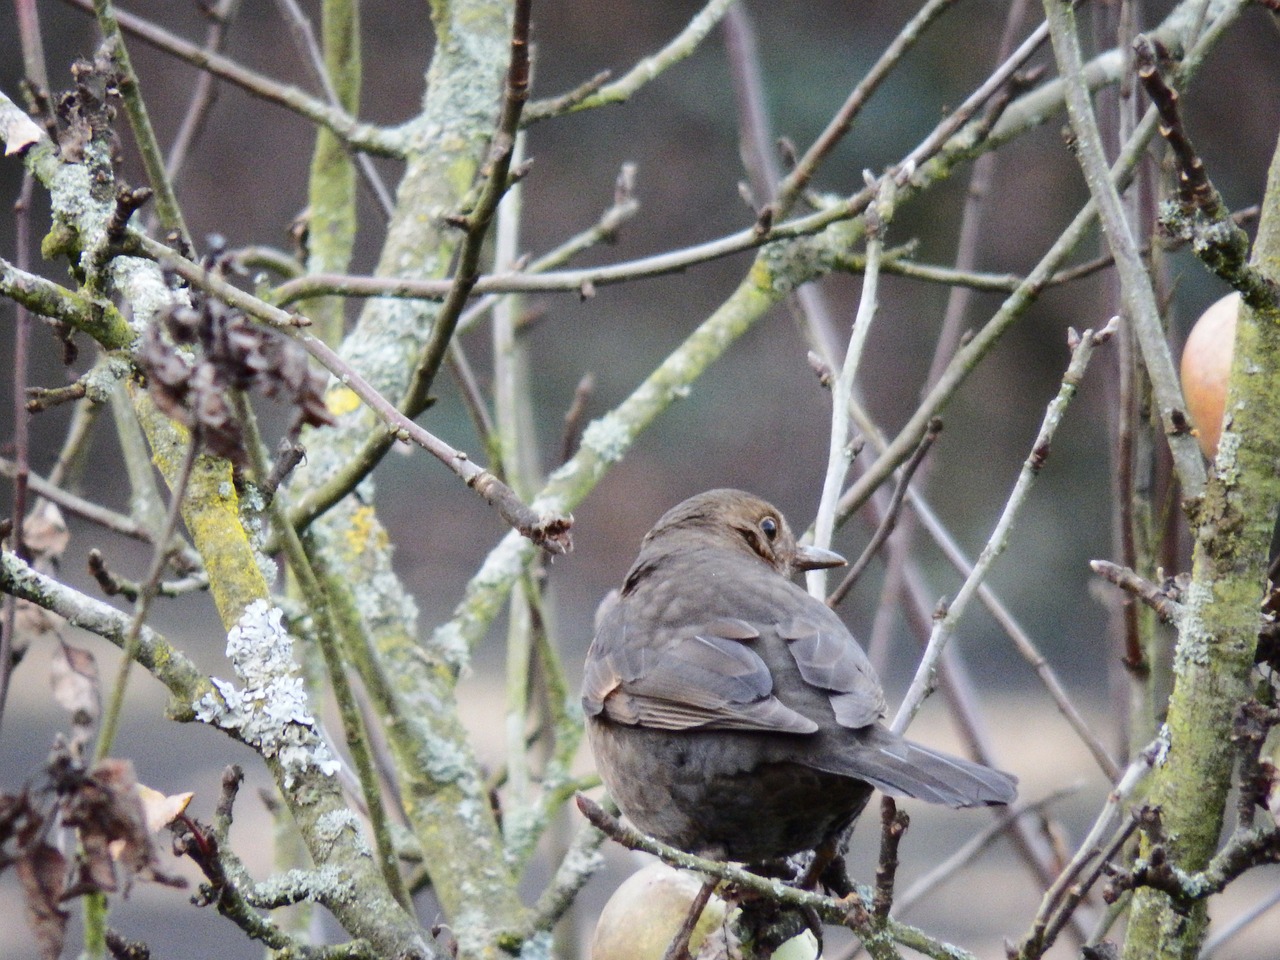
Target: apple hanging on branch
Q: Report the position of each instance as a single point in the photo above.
(1206, 366)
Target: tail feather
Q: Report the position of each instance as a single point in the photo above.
(901, 767)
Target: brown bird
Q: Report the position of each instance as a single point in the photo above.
(733, 715)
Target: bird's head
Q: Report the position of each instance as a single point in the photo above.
(740, 521)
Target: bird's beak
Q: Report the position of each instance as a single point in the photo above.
(815, 558)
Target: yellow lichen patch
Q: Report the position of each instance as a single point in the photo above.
(365, 532)
(210, 510)
(341, 401)
(211, 513)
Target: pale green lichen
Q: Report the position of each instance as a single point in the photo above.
(1162, 743)
(451, 645)
(101, 380)
(446, 761)
(582, 862)
(270, 711)
(334, 825)
(1227, 462)
(253, 509)
(537, 947)
(322, 884)
(1193, 638)
(608, 437)
(521, 827)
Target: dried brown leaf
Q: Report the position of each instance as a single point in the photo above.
(18, 131)
(75, 135)
(232, 354)
(73, 673)
(160, 810)
(20, 823)
(42, 871)
(46, 535)
(31, 623)
(114, 838)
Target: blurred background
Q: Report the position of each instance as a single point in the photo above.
(756, 420)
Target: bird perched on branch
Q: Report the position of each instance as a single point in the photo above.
(733, 715)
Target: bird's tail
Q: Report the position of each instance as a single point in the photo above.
(901, 767)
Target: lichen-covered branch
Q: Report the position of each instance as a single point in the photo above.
(1218, 629)
(166, 663)
(100, 320)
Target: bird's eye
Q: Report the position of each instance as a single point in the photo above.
(769, 527)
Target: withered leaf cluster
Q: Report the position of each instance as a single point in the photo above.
(199, 354)
(44, 537)
(104, 804)
(86, 113)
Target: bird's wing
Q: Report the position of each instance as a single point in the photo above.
(830, 659)
(705, 678)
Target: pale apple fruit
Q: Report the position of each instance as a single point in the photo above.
(1206, 365)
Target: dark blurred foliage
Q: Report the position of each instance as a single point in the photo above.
(758, 419)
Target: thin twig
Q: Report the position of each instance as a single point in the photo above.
(21, 419)
(313, 56)
(205, 92)
(472, 397)
(1200, 215)
(648, 69)
(69, 466)
(1224, 934)
(923, 681)
(624, 208)
(532, 280)
(893, 824)
(113, 585)
(1074, 894)
(129, 646)
(1049, 917)
(144, 135)
(576, 415)
(1135, 283)
(1001, 76)
(678, 948)
(800, 176)
(1014, 630)
(107, 519)
(32, 44)
(972, 221)
(755, 143)
(973, 847)
(889, 520)
(551, 533)
(362, 136)
(1156, 596)
(839, 450)
(853, 912)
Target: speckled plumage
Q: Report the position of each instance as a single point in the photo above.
(733, 715)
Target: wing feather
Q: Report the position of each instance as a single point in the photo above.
(706, 679)
(830, 659)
